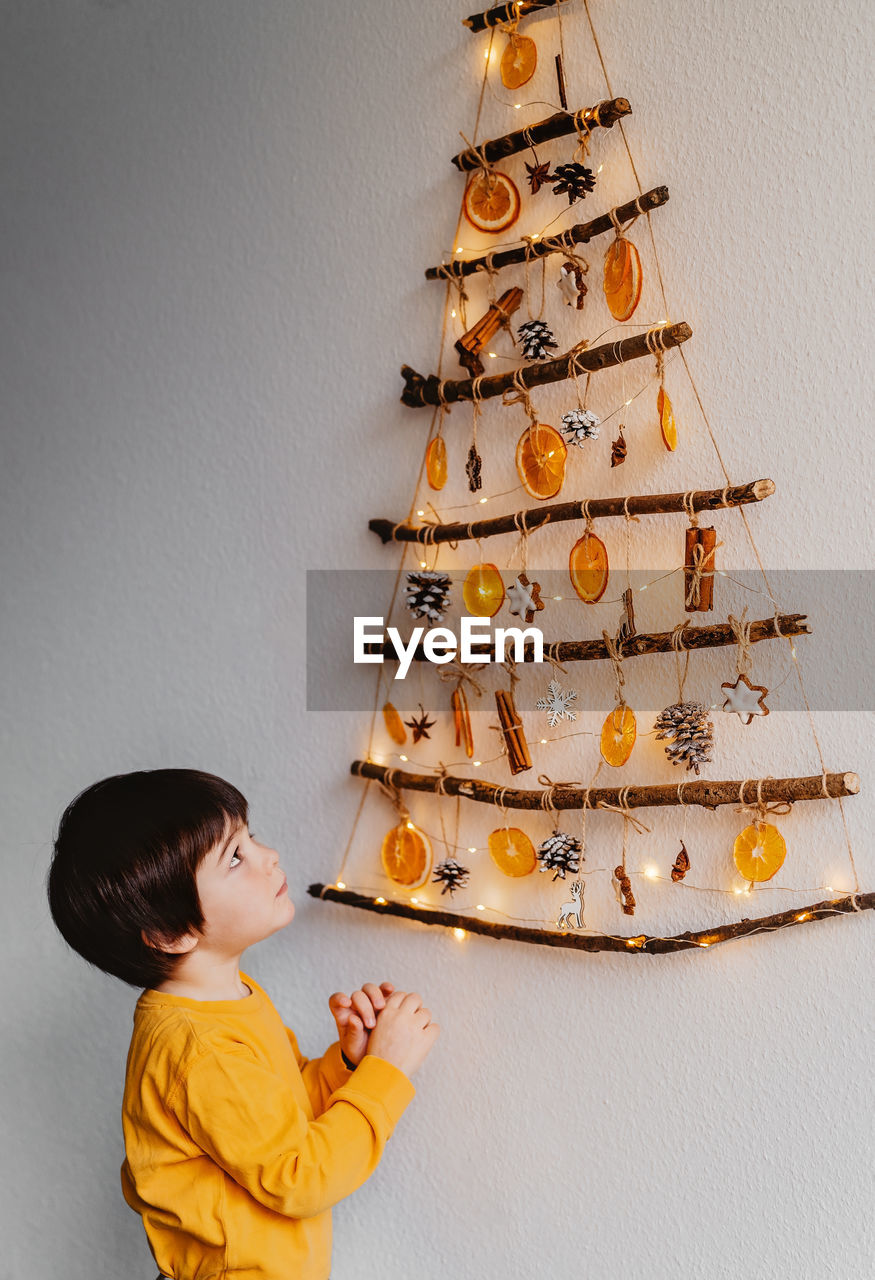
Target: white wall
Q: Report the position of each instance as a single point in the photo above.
(213, 225)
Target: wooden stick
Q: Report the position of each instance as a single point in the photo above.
(640, 944)
(712, 637)
(655, 796)
(580, 233)
(604, 114)
(535, 517)
(504, 13)
(419, 391)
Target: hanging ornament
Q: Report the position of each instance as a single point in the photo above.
(571, 913)
(541, 455)
(759, 851)
(406, 855)
(512, 851)
(491, 202)
(618, 735)
(394, 724)
(687, 724)
(483, 591)
(681, 864)
(452, 875)
(699, 569)
(436, 463)
(625, 887)
(667, 424)
(539, 175)
(588, 567)
(518, 61)
(420, 725)
(627, 625)
(518, 757)
(462, 720)
(571, 284)
(573, 180)
(579, 425)
(745, 699)
(475, 340)
(622, 279)
(557, 703)
(524, 598)
(560, 853)
(538, 340)
(618, 450)
(472, 467)
(427, 594)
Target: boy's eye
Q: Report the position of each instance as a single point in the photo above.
(234, 855)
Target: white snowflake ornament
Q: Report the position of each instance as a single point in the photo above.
(524, 598)
(745, 699)
(557, 704)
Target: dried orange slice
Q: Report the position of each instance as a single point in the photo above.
(667, 424)
(518, 61)
(483, 591)
(436, 463)
(512, 851)
(622, 278)
(491, 202)
(406, 855)
(540, 460)
(618, 736)
(588, 566)
(759, 851)
(394, 724)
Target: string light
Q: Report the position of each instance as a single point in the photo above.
(404, 758)
(341, 885)
(460, 934)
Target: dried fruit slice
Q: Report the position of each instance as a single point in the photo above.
(759, 851)
(406, 855)
(540, 460)
(483, 591)
(667, 424)
(622, 278)
(618, 736)
(518, 61)
(588, 566)
(492, 202)
(394, 724)
(436, 463)
(512, 851)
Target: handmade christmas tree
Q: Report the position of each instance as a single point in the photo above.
(611, 403)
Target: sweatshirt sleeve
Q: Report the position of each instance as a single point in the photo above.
(247, 1119)
(321, 1076)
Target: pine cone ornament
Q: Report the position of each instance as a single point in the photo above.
(579, 425)
(572, 180)
(452, 875)
(537, 339)
(427, 594)
(692, 733)
(560, 853)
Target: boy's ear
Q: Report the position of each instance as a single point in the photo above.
(175, 946)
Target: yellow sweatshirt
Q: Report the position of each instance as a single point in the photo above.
(237, 1146)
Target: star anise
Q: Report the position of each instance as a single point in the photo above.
(420, 725)
(573, 180)
(539, 175)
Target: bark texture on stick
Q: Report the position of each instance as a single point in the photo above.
(419, 391)
(713, 637)
(636, 944)
(504, 13)
(604, 114)
(580, 233)
(698, 791)
(647, 504)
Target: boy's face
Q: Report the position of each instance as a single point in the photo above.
(242, 892)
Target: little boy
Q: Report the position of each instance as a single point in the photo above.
(236, 1145)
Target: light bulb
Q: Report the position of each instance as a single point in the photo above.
(473, 849)
(381, 902)
(482, 500)
(410, 826)
(460, 933)
(341, 885)
(477, 764)
(404, 758)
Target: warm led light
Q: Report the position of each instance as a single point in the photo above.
(644, 588)
(536, 236)
(410, 826)
(793, 652)
(404, 758)
(543, 740)
(477, 764)
(422, 564)
(480, 906)
(804, 916)
(453, 314)
(341, 885)
(420, 513)
(599, 169)
(460, 249)
(492, 355)
(517, 105)
(738, 891)
(415, 900)
(482, 500)
(557, 597)
(830, 889)
(381, 902)
(460, 934)
(628, 402)
(473, 849)
(650, 872)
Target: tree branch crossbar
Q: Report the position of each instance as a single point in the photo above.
(505, 13)
(640, 944)
(603, 114)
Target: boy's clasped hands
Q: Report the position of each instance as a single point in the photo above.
(392, 1025)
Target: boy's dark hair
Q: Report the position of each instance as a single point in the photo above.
(124, 861)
